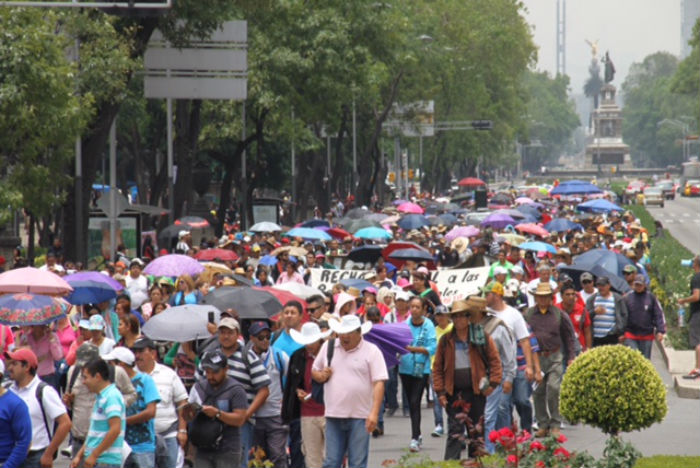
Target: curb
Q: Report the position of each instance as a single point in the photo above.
(678, 363)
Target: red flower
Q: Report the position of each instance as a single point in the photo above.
(536, 446)
(524, 437)
(539, 464)
(494, 437)
(506, 432)
(512, 459)
(562, 452)
(562, 438)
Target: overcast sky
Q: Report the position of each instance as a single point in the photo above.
(629, 29)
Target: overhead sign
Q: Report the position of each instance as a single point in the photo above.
(211, 68)
(413, 120)
(453, 284)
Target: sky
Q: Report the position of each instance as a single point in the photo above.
(629, 29)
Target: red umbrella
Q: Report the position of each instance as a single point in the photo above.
(338, 233)
(216, 254)
(284, 297)
(532, 228)
(467, 181)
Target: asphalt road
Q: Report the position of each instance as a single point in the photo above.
(681, 217)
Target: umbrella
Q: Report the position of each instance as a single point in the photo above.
(174, 265)
(391, 220)
(513, 239)
(617, 283)
(399, 202)
(358, 283)
(308, 233)
(300, 290)
(529, 210)
(611, 261)
(411, 254)
(598, 206)
(192, 221)
(265, 226)
(575, 187)
(292, 250)
(355, 225)
(461, 231)
(409, 207)
(538, 246)
(21, 309)
(470, 181)
(338, 233)
(448, 219)
(534, 229)
(216, 254)
(378, 217)
(501, 199)
(366, 253)
(268, 260)
(250, 303)
(562, 225)
(515, 214)
(357, 213)
(181, 323)
(312, 223)
(498, 221)
(391, 339)
(90, 292)
(373, 233)
(33, 280)
(413, 221)
(94, 276)
(524, 200)
(240, 280)
(283, 297)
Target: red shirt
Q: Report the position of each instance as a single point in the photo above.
(310, 407)
(577, 313)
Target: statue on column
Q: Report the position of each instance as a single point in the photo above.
(609, 68)
(594, 48)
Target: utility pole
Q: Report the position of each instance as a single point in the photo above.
(294, 175)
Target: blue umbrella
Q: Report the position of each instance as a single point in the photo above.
(90, 292)
(538, 246)
(530, 211)
(413, 221)
(358, 283)
(373, 233)
(575, 187)
(448, 219)
(611, 261)
(575, 271)
(598, 206)
(562, 225)
(308, 233)
(268, 260)
(312, 223)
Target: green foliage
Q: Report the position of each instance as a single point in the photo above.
(669, 281)
(414, 460)
(613, 388)
(618, 454)
(665, 461)
(685, 80)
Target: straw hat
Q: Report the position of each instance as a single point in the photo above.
(476, 304)
(460, 244)
(543, 289)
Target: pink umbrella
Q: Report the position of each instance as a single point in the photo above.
(409, 207)
(33, 280)
(532, 228)
(174, 265)
(461, 231)
(524, 200)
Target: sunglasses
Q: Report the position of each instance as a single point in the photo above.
(313, 309)
(264, 337)
(586, 281)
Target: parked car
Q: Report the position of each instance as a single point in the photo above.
(653, 196)
(635, 187)
(692, 188)
(668, 188)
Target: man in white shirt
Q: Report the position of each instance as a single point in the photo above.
(171, 428)
(136, 283)
(545, 276)
(587, 287)
(45, 414)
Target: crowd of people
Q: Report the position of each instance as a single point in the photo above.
(306, 388)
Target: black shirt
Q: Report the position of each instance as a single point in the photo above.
(695, 284)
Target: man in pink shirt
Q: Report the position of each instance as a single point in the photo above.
(353, 391)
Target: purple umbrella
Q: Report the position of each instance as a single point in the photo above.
(498, 221)
(392, 339)
(174, 265)
(96, 277)
(461, 231)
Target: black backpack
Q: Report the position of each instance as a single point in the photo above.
(206, 433)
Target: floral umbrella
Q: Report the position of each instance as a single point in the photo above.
(29, 309)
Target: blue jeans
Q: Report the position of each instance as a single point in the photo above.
(437, 409)
(392, 388)
(247, 433)
(346, 435)
(520, 396)
(493, 403)
(141, 460)
(33, 459)
(166, 452)
(643, 346)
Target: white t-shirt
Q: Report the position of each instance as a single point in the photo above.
(53, 406)
(585, 295)
(106, 346)
(532, 285)
(171, 390)
(136, 285)
(514, 320)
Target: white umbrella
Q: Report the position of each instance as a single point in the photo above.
(265, 226)
(181, 323)
(300, 290)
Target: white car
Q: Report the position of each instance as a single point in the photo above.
(654, 196)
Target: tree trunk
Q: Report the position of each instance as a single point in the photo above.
(337, 172)
(30, 242)
(187, 127)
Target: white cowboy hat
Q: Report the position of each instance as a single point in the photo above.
(349, 323)
(310, 333)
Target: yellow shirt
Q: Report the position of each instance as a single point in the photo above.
(438, 334)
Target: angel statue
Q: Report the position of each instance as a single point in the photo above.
(594, 47)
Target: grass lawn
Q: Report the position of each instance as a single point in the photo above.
(668, 461)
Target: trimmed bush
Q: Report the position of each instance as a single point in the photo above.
(613, 388)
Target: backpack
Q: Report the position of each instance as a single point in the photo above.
(206, 433)
(39, 395)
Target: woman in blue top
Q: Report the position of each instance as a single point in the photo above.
(186, 292)
(414, 367)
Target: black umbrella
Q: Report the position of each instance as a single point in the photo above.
(411, 254)
(575, 271)
(366, 253)
(240, 280)
(357, 213)
(250, 303)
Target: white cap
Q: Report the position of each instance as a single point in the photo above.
(499, 271)
(182, 234)
(517, 270)
(402, 296)
(2, 367)
(122, 354)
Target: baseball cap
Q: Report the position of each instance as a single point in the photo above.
(97, 323)
(629, 269)
(499, 271)
(23, 354)
(586, 276)
(122, 354)
(494, 287)
(639, 278)
(143, 343)
(214, 360)
(230, 323)
(441, 309)
(602, 281)
(257, 327)
(517, 270)
(84, 323)
(402, 296)
(85, 353)
(182, 234)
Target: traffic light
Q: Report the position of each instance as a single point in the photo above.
(410, 174)
(392, 177)
(482, 124)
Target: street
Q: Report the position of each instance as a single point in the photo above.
(681, 217)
